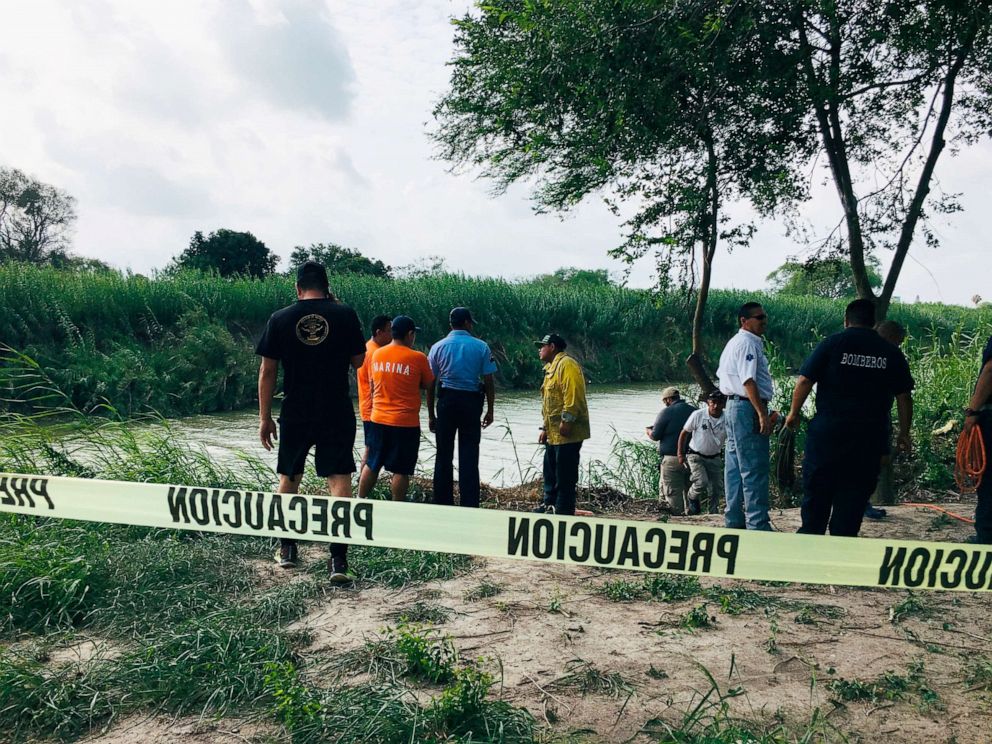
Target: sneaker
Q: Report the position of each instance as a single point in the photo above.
(543, 509)
(872, 512)
(338, 569)
(694, 507)
(286, 556)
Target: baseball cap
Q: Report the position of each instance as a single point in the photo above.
(460, 316)
(402, 325)
(716, 395)
(670, 392)
(554, 339)
(313, 271)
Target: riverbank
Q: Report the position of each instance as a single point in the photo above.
(184, 344)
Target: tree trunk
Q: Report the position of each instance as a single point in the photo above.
(696, 361)
(937, 144)
(831, 132)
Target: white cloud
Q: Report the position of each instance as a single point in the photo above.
(305, 121)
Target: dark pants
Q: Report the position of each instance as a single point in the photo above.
(561, 476)
(983, 511)
(458, 412)
(840, 472)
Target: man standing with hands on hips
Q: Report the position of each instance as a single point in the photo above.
(463, 368)
(747, 383)
(566, 424)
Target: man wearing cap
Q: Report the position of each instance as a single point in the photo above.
(566, 424)
(382, 334)
(747, 383)
(463, 368)
(399, 372)
(315, 340)
(674, 480)
(703, 452)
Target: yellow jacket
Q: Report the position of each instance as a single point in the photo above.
(564, 392)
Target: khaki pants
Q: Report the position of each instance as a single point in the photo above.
(706, 474)
(674, 483)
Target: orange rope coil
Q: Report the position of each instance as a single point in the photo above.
(969, 464)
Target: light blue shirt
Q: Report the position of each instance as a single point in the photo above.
(459, 359)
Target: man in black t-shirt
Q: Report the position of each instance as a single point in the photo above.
(857, 374)
(315, 339)
(979, 413)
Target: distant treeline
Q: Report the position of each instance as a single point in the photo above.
(184, 344)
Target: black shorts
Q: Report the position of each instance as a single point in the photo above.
(394, 448)
(367, 431)
(333, 445)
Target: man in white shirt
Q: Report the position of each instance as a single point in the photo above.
(701, 449)
(747, 383)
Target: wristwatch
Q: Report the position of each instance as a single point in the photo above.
(969, 412)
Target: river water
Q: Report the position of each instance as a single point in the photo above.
(509, 453)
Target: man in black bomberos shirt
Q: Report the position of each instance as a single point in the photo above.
(315, 339)
(979, 413)
(857, 373)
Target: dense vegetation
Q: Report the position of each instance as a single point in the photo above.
(184, 344)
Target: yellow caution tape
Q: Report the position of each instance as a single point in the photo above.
(608, 543)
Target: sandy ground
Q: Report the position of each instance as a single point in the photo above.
(547, 627)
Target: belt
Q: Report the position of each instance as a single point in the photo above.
(700, 454)
(744, 398)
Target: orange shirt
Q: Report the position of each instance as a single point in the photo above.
(364, 389)
(397, 375)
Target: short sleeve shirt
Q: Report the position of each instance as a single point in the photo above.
(668, 424)
(397, 376)
(744, 359)
(314, 340)
(459, 359)
(708, 433)
(857, 374)
(364, 389)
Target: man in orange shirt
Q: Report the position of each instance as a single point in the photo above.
(397, 376)
(382, 334)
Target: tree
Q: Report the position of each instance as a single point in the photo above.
(338, 260)
(887, 86)
(424, 268)
(658, 103)
(229, 253)
(573, 276)
(35, 219)
(821, 277)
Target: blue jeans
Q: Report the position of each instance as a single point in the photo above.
(745, 469)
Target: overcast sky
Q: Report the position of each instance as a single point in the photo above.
(305, 121)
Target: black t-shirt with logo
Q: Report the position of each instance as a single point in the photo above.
(858, 373)
(315, 341)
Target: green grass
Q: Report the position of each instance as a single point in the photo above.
(190, 631)
(183, 344)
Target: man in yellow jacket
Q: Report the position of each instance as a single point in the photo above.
(566, 424)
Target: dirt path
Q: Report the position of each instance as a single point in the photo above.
(581, 662)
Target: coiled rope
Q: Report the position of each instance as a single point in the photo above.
(969, 461)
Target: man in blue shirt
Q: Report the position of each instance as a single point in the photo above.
(463, 368)
(857, 373)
